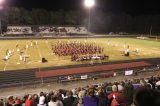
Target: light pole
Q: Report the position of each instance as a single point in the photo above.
(89, 4)
(1, 7)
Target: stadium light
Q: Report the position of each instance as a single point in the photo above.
(1, 7)
(89, 4)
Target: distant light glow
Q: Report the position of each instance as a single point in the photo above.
(89, 3)
(1, 7)
(1, 1)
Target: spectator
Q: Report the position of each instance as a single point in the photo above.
(34, 101)
(1, 102)
(10, 101)
(103, 101)
(28, 101)
(79, 101)
(146, 97)
(113, 93)
(55, 102)
(68, 101)
(128, 93)
(42, 100)
(48, 97)
(116, 97)
(18, 102)
(91, 99)
(152, 82)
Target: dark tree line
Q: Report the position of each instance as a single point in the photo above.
(140, 24)
(101, 22)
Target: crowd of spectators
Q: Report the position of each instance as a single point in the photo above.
(136, 92)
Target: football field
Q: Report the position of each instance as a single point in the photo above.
(36, 49)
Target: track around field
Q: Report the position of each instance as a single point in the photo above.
(90, 69)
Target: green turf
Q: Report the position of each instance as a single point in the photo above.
(113, 47)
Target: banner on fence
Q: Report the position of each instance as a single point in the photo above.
(128, 72)
(84, 76)
(114, 74)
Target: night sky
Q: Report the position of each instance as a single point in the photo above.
(136, 7)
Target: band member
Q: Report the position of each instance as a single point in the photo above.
(17, 45)
(6, 58)
(20, 57)
(128, 47)
(8, 52)
(75, 48)
(36, 42)
(137, 51)
(27, 46)
(126, 52)
(18, 49)
(31, 44)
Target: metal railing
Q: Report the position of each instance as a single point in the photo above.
(90, 76)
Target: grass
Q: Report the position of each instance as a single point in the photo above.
(113, 47)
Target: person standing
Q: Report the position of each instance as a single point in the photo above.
(91, 99)
(69, 100)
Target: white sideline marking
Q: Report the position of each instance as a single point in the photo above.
(6, 65)
(47, 45)
(49, 49)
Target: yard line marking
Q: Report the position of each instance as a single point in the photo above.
(40, 55)
(48, 46)
(50, 50)
(4, 69)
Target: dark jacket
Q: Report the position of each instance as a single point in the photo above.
(69, 101)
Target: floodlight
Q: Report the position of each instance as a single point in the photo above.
(1, 7)
(89, 3)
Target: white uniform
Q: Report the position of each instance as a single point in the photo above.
(137, 51)
(126, 51)
(20, 58)
(31, 44)
(6, 57)
(18, 49)
(27, 46)
(9, 53)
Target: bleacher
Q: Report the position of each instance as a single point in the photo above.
(19, 30)
(76, 30)
(46, 30)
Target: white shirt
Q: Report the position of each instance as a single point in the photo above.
(57, 103)
(41, 100)
(51, 103)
